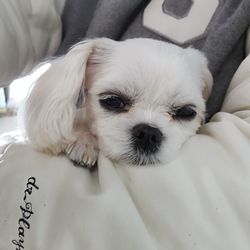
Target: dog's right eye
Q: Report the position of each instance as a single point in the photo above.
(185, 113)
(113, 103)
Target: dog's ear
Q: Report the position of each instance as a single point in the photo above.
(52, 104)
(208, 80)
(201, 63)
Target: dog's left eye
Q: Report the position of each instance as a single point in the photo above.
(185, 113)
(113, 103)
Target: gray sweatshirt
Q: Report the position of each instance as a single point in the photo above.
(216, 27)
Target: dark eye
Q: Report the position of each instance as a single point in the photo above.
(185, 113)
(113, 103)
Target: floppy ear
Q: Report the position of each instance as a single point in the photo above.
(200, 61)
(208, 82)
(50, 109)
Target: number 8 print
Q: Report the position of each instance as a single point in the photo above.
(179, 20)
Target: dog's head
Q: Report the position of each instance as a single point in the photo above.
(146, 97)
(142, 98)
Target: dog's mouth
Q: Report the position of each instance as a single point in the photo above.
(138, 158)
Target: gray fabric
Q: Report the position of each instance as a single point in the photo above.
(75, 19)
(115, 15)
(177, 8)
(222, 42)
(224, 75)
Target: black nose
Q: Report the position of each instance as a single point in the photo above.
(146, 138)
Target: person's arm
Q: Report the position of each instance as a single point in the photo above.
(29, 31)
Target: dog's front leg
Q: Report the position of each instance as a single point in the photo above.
(84, 151)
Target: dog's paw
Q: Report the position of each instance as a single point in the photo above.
(83, 152)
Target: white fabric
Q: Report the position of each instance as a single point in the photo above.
(198, 201)
(29, 31)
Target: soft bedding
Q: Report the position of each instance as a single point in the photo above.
(201, 200)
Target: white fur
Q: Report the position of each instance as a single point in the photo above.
(156, 74)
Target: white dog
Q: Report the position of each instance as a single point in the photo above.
(137, 101)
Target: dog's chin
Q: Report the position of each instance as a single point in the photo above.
(137, 159)
(129, 155)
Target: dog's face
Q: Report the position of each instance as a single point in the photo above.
(142, 100)
(146, 98)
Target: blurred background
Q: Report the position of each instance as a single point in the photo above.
(12, 99)
(32, 32)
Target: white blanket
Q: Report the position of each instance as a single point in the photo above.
(201, 200)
